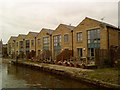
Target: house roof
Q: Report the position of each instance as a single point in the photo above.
(50, 31)
(108, 25)
(68, 26)
(13, 37)
(34, 33)
(23, 35)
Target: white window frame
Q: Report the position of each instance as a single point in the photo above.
(79, 36)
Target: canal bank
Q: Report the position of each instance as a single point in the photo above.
(71, 72)
(17, 76)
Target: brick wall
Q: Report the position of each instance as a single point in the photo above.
(62, 30)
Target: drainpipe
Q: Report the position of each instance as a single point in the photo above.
(72, 43)
(14, 48)
(24, 47)
(108, 38)
(35, 46)
(51, 45)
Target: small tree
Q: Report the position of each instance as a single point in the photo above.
(65, 54)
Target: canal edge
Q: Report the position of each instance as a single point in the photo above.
(97, 83)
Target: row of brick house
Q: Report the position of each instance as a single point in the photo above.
(82, 40)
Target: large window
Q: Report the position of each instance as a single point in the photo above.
(27, 45)
(57, 44)
(93, 40)
(32, 42)
(21, 45)
(38, 42)
(46, 41)
(66, 38)
(79, 36)
(57, 40)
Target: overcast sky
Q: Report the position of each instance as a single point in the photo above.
(22, 16)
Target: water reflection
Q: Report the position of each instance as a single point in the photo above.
(24, 77)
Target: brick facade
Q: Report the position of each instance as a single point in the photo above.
(106, 40)
(82, 39)
(44, 33)
(11, 46)
(31, 37)
(20, 48)
(62, 30)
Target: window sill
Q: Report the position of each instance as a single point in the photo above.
(79, 41)
(66, 42)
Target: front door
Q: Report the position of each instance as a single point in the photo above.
(79, 50)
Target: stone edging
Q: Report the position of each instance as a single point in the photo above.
(78, 78)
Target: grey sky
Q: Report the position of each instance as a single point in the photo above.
(22, 16)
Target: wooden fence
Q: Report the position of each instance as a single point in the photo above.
(104, 56)
(101, 55)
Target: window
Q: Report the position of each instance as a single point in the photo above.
(57, 44)
(57, 40)
(79, 36)
(27, 53)
(17, 44)
(27, 45)
(32, 42)
(38, 41)
(21, 45)
(79, 52)
(91, 52)
(46, 41)
(38, 52)
(93, 38)
(66, 38)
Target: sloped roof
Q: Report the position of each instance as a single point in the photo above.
(23, 35)
(34, 33)
(13, 37)
(50, 31)
(68, 26)
(109, 25)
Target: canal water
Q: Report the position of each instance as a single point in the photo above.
(23, 77)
